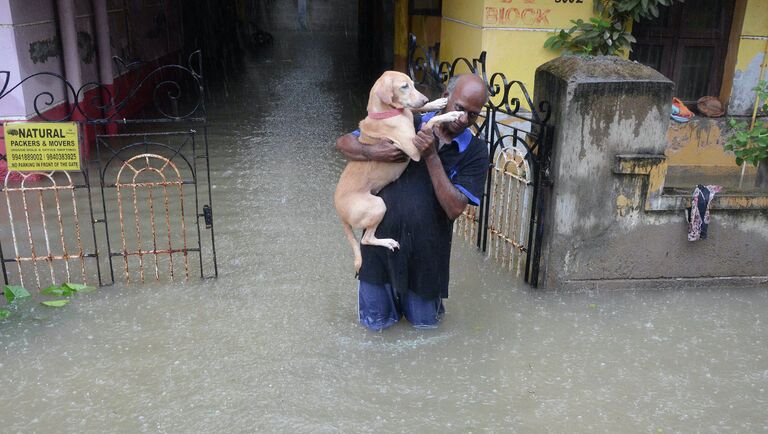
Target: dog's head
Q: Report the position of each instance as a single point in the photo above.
(396, 89)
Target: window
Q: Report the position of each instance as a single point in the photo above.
(425, 7)
(688, 44)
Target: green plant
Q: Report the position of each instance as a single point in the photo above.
(67, 289)
(750, 145)
(607, 34)
(14, 293)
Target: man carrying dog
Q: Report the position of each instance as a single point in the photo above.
(421, 207)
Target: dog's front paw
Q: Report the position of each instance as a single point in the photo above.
(437, 104)
(448, 117)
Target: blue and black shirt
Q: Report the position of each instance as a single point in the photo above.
(416, 220)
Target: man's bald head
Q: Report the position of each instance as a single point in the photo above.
(469, 95)
(471, 84)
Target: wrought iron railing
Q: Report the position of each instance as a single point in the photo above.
(517, 133)
(148, 168)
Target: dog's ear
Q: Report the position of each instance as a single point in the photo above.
(384, 91)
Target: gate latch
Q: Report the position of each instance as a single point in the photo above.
(208, 215)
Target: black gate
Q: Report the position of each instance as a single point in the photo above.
(509, 221)
(142, 198)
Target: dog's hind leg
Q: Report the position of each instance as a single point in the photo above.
(375, 213)
(369, 238)
(355, 247)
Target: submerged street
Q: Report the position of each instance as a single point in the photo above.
(273, 344)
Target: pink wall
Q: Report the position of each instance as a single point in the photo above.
(143, 30)
(34, 23)
(13, 103)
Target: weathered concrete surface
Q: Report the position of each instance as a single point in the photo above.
(598, 232)
(695, 151)
(742, 96)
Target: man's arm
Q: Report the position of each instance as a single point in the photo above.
(451, 199)
(353, 150)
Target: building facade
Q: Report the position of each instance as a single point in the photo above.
(712, 48)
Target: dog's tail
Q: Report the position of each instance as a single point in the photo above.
(355, 247)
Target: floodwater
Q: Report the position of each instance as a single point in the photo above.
(273, 344)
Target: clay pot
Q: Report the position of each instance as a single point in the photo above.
(710, 107)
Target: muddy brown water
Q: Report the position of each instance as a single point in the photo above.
(273, 344)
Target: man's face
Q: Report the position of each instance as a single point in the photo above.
(468, 97)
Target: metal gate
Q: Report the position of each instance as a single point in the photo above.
(508, 224)
(142, 199)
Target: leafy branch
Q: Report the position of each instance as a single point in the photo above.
(608, 33)
(15, 294)
(750, 145)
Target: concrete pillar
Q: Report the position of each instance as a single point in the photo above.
(104, 52)
(104, 55)
(68, 32)
(602, 107)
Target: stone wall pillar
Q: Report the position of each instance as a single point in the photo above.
(608, 222)
(602, 107)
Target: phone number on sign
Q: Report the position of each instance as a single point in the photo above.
(61, 156)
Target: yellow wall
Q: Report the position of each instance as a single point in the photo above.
(470, 11)
(532, 14)
(512, 32)
(748, 50)
(755, 25)
(401, 35)
(459, 40)
(426, 28)
(697, 143)
(756, 18)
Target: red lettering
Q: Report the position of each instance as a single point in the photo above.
(528, 16)
(541, 17)
(491, 15)
(509, 15)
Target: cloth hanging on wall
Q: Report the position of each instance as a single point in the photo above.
(698, 214)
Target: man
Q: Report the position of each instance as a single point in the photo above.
(421, 207)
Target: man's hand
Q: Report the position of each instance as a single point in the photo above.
(384, 151)
(425, 142)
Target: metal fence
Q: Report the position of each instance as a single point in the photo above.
(153, 177)
(508, 224)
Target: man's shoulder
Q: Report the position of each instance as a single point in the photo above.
(477, 147)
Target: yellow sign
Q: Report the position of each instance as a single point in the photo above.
(42, 146)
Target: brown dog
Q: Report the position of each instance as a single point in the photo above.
(390, 102)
